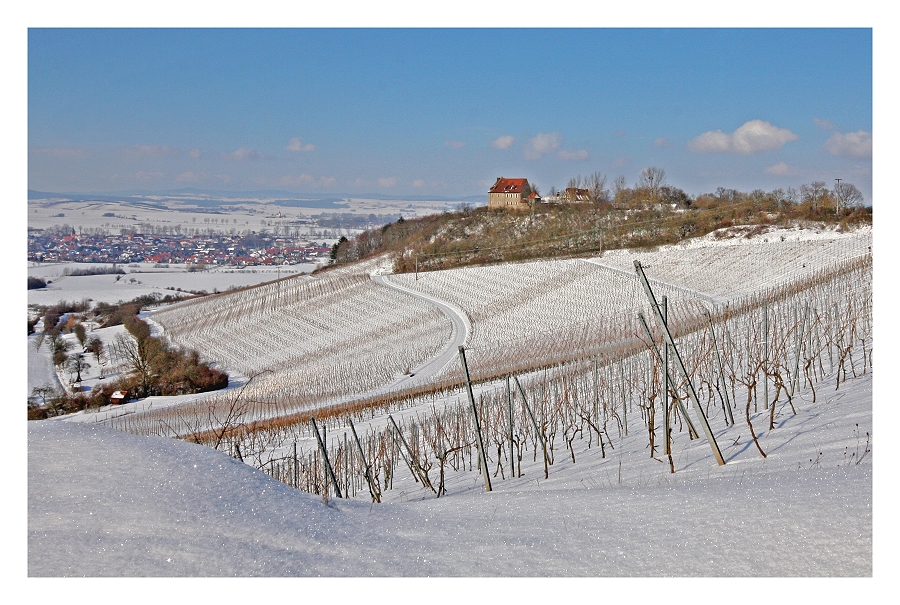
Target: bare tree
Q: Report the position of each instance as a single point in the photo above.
(620, 190)
(791, 195)
(77, 364)
(848, 195)
(812, 192)
(652, 179)
(95, 346)
(80, 333)
(61, 348)
(596, 184)
(140, 355)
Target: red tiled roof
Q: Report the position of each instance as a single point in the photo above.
(508, 185)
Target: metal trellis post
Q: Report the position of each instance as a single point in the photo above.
(668, 336)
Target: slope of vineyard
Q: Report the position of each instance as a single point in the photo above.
(732, 263)
(308, 339)
(764, 378)
(523, 313)
(314, 341)
(560, 308)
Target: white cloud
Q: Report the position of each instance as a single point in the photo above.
(296, 181)
(387, 182)
(853, 144)
(824, 124)
(780, 169)
(503, 142)
(752, 137)
(327, 181)
(455, 144)
(195, 153)
(296, 144)
(418, 183)
(573, 155)
(244, 153)
(660, 142)
(542, 144)
(711, 142)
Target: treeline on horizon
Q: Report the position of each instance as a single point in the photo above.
(649, 214)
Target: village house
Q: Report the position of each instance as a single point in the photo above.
(516, 194)
(573, 194)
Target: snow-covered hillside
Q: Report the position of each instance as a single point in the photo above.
(105, 503)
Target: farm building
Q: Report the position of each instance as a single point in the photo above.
(511, 193)
(573, 194)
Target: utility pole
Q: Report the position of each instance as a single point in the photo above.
(838, 191)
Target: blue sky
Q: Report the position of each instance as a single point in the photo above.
(443, 112)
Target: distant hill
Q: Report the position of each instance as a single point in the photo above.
(273, 195)
(474, 236)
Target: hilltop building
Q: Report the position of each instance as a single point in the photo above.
(515, 194)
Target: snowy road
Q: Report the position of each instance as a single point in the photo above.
(461, 328)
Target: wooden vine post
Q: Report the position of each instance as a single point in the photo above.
(362, 456)
(509, 410)
(665, 363)
(481, 455)
(328, 469)
(766, 353)
(537, 429)
(677, 357)
(296, 469)
(723, 395)
(692, 431)
(411, 461)
(795, 382)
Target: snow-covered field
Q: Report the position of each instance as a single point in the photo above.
(194, 211)
(142, 506)
(105, 503)
(144, 279)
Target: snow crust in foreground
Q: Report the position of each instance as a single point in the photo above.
(106, 503)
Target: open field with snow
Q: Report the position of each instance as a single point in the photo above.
(207, 211)
(786, 388)
(141, 279)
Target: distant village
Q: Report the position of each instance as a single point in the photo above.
(205, 249)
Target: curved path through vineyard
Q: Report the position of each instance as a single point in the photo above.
(458, 336)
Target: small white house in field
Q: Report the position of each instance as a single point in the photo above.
(118, 397)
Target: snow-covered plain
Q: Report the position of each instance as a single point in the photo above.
(144, 279)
